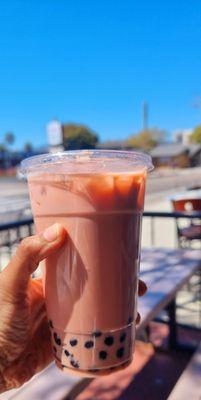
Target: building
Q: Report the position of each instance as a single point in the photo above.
(176, 155)
(195, 154)
(182, 136)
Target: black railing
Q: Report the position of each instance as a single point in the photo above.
(10, 235)
(175, 215)
(151, 214)
(16, 224)
(12, 232)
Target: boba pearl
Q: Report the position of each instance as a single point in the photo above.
(66, 353)
(74, 364)
(51, 324)
(103, 354)
(120, 352)
(89, 344)
(57, 339)
(73, 342)
(96, 334)
(123, 337)
(109, 340)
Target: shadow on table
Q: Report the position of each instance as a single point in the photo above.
(157, 379)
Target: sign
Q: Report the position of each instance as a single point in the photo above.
(56, 149)
(54, 133)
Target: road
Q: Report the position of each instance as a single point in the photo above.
(14, 199)
(160, 181)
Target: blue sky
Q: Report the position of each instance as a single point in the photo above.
(95, 62)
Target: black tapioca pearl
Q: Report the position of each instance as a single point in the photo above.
(73, 342)
(57, 339)
(97, 334)
(89, 344)
(102, 354)
(109, 340)
(50, 324)
(93, 370)
(66, 353)
(123, 337)
(120, 352)
(74, 364)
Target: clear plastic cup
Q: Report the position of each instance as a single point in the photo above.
(91, 283)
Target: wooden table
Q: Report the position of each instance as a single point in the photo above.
(165, 271)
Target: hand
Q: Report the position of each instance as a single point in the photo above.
(142, 288)
(25, 346)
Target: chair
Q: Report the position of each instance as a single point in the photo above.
(193, 230)
(187, 235)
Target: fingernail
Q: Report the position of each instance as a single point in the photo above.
(50, 234)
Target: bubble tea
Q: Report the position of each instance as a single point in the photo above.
(90, 284)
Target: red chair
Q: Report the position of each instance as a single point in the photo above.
(193, 230)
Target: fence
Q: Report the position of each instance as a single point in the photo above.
(11, 233)
(165, 232)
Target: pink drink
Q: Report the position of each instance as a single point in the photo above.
(91, 284)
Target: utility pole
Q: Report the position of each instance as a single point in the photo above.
(145, 115)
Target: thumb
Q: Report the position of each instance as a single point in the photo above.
(30, 252)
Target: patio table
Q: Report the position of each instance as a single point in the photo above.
(165, 271)
(188, 194)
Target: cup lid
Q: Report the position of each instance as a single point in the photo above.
(87, 161)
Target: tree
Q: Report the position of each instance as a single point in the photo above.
(2, 148)
(9, 138)
(159, 135)
(142, 140)
(78, 137)
(196, 135)
(28, 147)
(147, 139)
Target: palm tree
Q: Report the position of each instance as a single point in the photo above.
(28, 147)
(9, 138)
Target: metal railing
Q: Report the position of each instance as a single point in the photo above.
(12, 232)
(175, 215)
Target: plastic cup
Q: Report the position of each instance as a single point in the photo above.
(91, 283)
